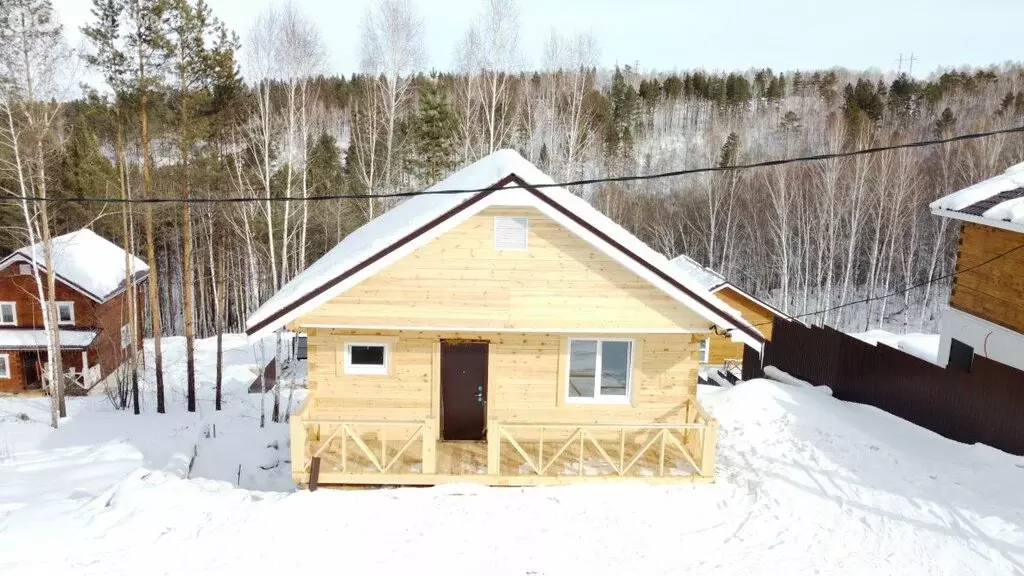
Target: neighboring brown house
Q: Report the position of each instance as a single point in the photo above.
(92, 311)
(717, 350)
(986, 308)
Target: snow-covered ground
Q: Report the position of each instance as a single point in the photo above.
(806, 485)
(924, 346)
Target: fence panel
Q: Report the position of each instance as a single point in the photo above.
(985, 405)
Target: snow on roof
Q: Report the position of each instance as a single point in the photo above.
(704, 276)
(418, 211)
(18, 338)
(998, 200)
(86, 261)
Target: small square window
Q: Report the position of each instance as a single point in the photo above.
(25, 269)
(705, 350)
(510, 233)
(5, 366)
(366, 359)
(65, 313)
(8, 314)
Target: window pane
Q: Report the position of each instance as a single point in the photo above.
(614, 368)
(366, 355)
(7, 313)
(3, 367)
(582, 366)
(64, 312)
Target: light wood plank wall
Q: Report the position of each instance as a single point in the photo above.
(722, 347)
(526, 378)
(995, 291)
(559, 283)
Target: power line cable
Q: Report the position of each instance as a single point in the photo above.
(900, 292)
(582, 182)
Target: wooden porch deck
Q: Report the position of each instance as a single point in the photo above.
(389, 453)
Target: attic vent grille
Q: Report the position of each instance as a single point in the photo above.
(510, 233)
(24, 269)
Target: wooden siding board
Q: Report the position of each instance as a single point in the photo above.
(993, 291)
(525, 372)
(559, 282)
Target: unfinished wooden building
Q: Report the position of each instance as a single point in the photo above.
(511, 336)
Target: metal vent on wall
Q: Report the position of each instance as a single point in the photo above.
(510, 232)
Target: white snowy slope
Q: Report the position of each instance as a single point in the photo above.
(27, 338)
(419, 211)
(1011, 211)
(924, 346)
(805, 484)
(85, 260)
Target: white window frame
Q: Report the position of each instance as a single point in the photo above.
(525, 220)
(363, 369)
(14, 314)
(24, 269)
(66, 322)
(598, 398)
(705, 354)
(6, 373)
(126, 336)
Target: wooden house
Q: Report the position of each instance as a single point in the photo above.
(509, 334)
(720, 350)
(92, 311)
(986, 308)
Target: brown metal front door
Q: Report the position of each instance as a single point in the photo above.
(463, 390)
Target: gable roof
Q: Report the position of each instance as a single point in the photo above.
(422, 218)
(84, 261)
(715, 282)
(998, 201)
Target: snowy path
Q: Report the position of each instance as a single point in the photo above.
(806, 485)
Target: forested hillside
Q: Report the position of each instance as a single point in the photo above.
(199, 113)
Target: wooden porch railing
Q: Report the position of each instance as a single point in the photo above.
(624, 449)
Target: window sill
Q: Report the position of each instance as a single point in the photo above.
(606, 401)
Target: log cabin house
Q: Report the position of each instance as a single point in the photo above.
(510, 334)
(92, 311)
(719, 350)
(986, 307)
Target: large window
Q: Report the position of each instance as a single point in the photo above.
(65, 313)
(366, 358)
(600, 370)
(5, 366)
(8, 314)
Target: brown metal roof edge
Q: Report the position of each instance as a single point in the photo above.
(382, 253)
(639, 260)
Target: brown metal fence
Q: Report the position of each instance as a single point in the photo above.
(985, 405)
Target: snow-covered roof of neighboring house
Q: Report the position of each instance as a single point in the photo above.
(85, 261)
(998, 201)
(713, 281)
(22, 338)
(703, 275)
(421, 218)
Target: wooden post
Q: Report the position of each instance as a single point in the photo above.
(707, 458)
(314, 474)
(298, 447)
(429, 465)
(493, 448)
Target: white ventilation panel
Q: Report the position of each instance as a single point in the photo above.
(510, 232)
(24, 269)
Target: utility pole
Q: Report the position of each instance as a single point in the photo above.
(910, 64)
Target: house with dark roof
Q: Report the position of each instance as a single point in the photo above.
(499, 329)
(92, 311)
(986, 308)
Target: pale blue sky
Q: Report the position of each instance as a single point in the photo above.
(683, 34)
